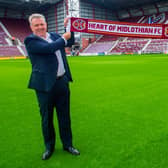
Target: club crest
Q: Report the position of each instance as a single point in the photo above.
(79, 24)
(166, 31)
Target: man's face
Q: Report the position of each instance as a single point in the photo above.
(39, 27)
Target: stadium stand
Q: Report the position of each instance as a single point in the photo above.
(11, 46)
(14, 25)
(17, 28)
(157, 46)
(3, 35)
(129, 47)
(9, 51)
(99, 47)
(106, 38)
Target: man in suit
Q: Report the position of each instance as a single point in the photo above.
(50, 79)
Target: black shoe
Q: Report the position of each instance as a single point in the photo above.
(72, 150)
(47, 154)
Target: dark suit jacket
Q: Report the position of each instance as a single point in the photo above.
(44, 61)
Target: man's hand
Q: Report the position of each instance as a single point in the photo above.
(66, 21)
(67, 35)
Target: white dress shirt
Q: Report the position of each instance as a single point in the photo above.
(61, 68)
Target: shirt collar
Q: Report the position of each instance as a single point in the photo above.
(47, 36)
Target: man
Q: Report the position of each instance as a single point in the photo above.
(50, 79)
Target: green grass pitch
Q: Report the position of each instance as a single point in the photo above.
(119, 111)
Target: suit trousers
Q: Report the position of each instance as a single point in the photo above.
(58, 97)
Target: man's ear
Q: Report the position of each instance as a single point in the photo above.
(31, 27)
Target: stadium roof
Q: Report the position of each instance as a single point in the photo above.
(113, 5)
(22, 5)
(124, 4)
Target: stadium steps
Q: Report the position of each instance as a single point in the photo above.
(146, 45)
(115, 44)
(4, 29)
